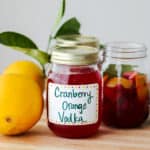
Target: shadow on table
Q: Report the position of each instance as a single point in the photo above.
(101, 132)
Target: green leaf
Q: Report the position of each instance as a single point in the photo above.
(101, 46)
(112, 69)
(14, 39)
(126, 68)
(71, 26)
(23, 44)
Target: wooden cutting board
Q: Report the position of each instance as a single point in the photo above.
(41, 138)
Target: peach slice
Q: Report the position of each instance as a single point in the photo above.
(119, 81)
(142, 86)
(105, 77)
(143, 93)
(140, 80)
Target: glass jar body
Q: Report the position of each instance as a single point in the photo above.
(125, 91)
(73, 114)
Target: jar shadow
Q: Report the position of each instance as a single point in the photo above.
(102, 131)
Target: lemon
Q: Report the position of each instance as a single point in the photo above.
(21, 104)
(28, 69)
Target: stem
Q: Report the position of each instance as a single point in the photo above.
(49, 43)
(44, 70)
(60, 15)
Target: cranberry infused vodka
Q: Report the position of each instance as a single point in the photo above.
(74, 101)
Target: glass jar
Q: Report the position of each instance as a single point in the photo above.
(126, 93)
(74, 100)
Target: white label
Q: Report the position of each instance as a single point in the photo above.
(73, 104)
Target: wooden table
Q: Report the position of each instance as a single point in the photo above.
(41, 138)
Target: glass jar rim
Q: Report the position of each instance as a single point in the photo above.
(125, 50)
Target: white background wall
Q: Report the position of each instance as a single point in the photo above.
(109, 20)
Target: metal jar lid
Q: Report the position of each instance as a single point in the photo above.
(79, 55)
(77, 40)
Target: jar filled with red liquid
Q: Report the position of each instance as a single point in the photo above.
(74, 101)
(126, 92)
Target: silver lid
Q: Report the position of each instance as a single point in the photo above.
(77, 40)
(79, 55)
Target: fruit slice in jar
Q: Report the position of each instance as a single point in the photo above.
(143, 93)
(119, 81)
(142, 87)
(130, 75)
(105, 78)
(114, 88)
(140, 80)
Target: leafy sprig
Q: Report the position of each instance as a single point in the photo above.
(24, 44)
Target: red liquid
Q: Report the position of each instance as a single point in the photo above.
(78, 76)
(123, 107)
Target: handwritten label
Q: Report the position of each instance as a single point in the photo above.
(73, 104)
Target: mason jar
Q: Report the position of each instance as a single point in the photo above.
(125, 87)
(74, 101)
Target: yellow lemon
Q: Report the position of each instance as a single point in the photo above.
(28, 69)
(21, 104)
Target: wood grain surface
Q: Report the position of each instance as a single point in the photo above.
(41, 138)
